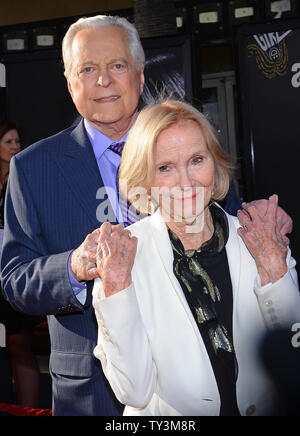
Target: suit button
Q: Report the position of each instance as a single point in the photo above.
(250, 410)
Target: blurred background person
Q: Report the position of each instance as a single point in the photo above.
(24, 365)
(9, 146)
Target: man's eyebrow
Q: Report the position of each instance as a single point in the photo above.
(111, 61)
(86, 63)
(118, 60)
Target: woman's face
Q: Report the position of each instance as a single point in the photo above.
(9, 145)
(184, 172)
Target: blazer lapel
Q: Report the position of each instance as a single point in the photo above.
(165, 252)
(79, 167)
(233, 250)
(162, 241)
(164, 249)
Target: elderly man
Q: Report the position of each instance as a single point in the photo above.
(54, 202)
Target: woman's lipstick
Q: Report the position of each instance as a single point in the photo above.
(193, 197)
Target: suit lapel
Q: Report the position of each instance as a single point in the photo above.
(78, 165)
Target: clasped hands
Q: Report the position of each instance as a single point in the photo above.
(108, 252)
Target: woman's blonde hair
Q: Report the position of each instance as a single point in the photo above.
(137, 169)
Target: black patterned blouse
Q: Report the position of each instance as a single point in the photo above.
(205, 279)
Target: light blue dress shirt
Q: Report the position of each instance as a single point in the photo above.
(108, 163)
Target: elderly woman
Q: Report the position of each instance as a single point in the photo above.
(186, 294)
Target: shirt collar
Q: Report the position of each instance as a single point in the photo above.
(99, 141)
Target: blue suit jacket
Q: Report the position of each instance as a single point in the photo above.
(50, 208)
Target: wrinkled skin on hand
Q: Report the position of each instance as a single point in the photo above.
(264, 240)
(115, 256)
(284, 221)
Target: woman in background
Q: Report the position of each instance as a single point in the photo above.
(24, 365)
(9, 146)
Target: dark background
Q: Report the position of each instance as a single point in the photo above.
(270, 119)
(36, 94)
(267, 110)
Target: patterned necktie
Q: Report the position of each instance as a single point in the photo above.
(129, 214)
(117, 147)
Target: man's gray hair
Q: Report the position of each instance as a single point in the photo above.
(95, 22)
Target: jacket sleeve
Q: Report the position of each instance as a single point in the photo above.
(280, 301)
(33, 281)
(123, 346)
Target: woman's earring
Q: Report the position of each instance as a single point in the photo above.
(149, 205)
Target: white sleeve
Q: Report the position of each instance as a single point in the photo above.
(280, 301)
(123, 346)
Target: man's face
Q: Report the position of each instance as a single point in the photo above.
(104, 82)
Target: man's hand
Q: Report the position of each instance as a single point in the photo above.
(83, 259)
(283, 221)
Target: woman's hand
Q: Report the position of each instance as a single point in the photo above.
(115, 257)
(264, 241)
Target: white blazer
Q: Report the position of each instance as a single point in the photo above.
(150, 347)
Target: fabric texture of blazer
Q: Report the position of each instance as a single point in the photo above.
(51, 206)
(149, 344)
